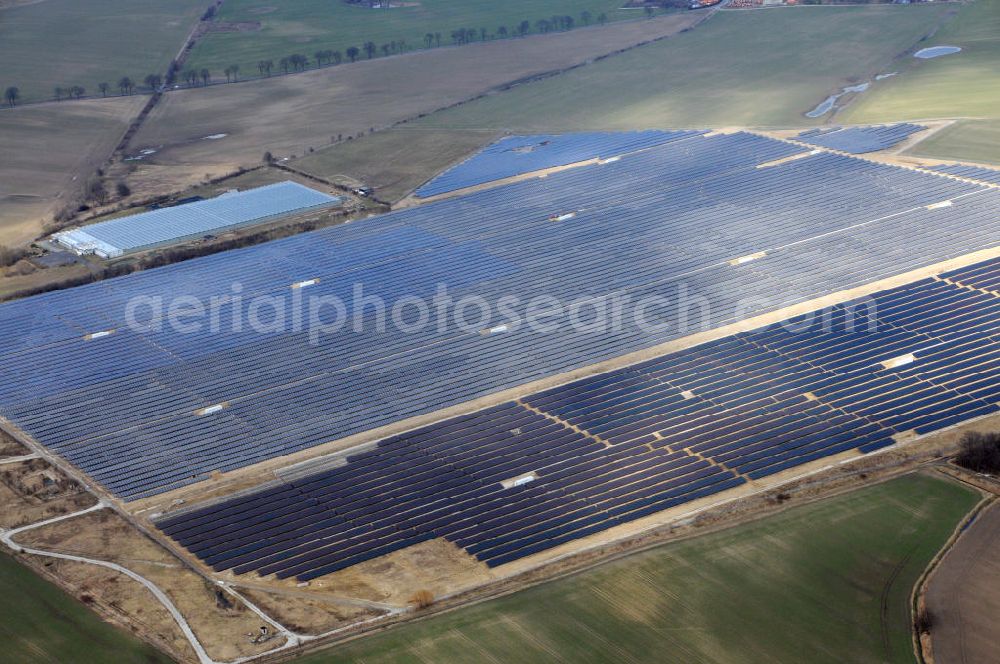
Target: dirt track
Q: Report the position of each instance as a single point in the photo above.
(963, 596)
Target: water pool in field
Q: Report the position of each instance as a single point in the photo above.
(935, 51)
(827, 104)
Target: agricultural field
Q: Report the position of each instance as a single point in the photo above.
(67, 42)
(288, 115)
(756, 68)
(964, 85)
(49, 151)
(962, 597)
(42, 623)
(393, 162)
(272, 30)
(832, 578)
(967, 140)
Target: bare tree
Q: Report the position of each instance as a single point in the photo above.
(336, 57)
(428, 40)
(77, 91)
(352, 53)
(103, 87)
(422, 599)
(125, 85)
(10, 255)
(97, 191)
(11, 94)
(370, 48)
(980, 452)
(58, 93)
(206, 77)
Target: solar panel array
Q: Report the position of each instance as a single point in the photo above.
(174, 224)
(146, 411)
(614, 447)
(516, 155)
(990, 175)
(858, 140)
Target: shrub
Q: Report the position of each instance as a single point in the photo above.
(924, 621)
(10, 255)
(422, 599)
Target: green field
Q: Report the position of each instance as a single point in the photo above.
(826, 582)
(67, 42)
(968, 140)
(757, 68)
(964, 85)
(307, 26)
(41, 623)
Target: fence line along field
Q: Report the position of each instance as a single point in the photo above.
(247, 31)
(63, 43)
(832, 578)
(290, 114)
(756, 68)
(963, 85)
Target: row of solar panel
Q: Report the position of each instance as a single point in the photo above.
(859, 140)
(127, 407)
(980, 173)
(516, 155)
(343, 249)
(607, 449)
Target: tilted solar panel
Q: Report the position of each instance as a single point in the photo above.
(608, 449)
(693, 221)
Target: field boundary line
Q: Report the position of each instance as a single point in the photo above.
(919, 589)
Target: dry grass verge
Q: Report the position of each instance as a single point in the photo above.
(221, 623)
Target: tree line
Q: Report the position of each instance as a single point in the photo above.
(296, 62)
(461, 36)
(980, 452)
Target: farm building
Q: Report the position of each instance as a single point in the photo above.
(139, 232)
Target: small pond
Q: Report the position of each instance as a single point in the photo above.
(935, 51)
